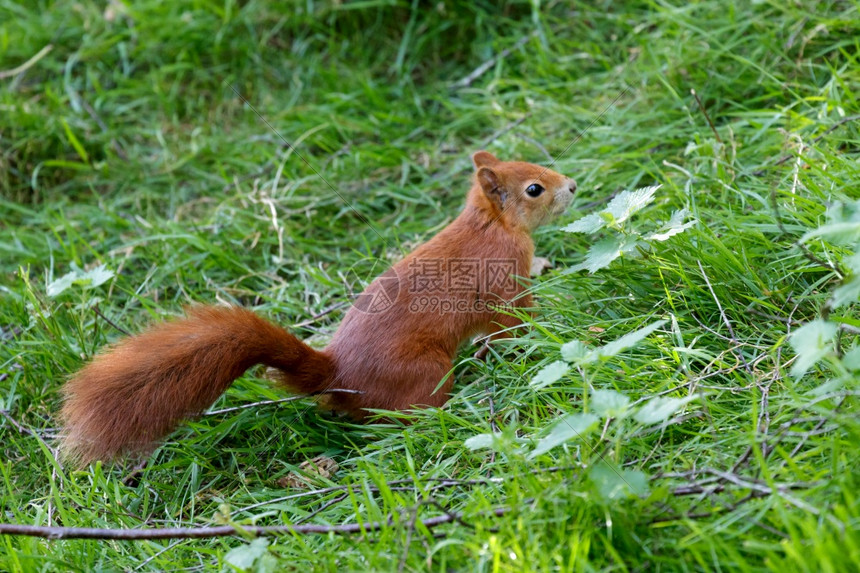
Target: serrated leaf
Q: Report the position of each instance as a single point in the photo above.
(839, 233)
(619, 209)
(660, 409)
(609, 403)
(668, 233)
(573, 426)
(631, 246)
(550, 373)
(244, 556)
(852, 263)
(614, 483)
(600, 255)
(79, 277)
(95, 277)
(846, 293)
(588, 224)
(628, 340)
(843, 224)
(674, 226)
(574, 351)
(480, 441)
(61, 284)
(851, 359)
(627, 203)
(812, 342)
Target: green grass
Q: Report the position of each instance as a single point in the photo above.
(126, 146)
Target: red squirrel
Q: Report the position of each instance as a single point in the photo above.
(393, 349)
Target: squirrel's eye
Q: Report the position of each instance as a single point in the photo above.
(534, 190)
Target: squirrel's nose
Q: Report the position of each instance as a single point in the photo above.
(571, 185)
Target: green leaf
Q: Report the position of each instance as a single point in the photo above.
(839, 233)
(851, 359)
(480, 441)
(574, 351)
(244, 556)
(588, 224)
(812, 342)
(627, 203)
(95, 277)
(609, 403)
(846, 293)
(619, 209)
(852, 263)
(675, 226)
(573, 426)
(550, 373)
(614, 483)
(628, 340)
(843, 224)
(61, 284)
(79, 277)
(600, 255)
(660, 409)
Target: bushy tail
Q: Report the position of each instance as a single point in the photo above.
(127, 399)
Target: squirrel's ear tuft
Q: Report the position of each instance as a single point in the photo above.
(483, 159)
(492, 186)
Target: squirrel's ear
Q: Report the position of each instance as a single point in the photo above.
(492, 186)
(483, 159)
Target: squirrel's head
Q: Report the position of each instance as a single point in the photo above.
(520, 194)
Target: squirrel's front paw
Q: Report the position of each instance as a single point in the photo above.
(482, 352)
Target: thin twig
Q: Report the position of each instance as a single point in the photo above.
(409, 529)
(21, 429)
(322, 508)
(282, 400)
(109, 321)
(537, 144)
(504, 130)
(728, 324)
(320, 314)
(482, 69)
(814, 429)
(803, 248)
(95, 117)
(827, 132)
(705, 113)
(133, 477)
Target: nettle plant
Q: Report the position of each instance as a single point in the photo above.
(627, 239)
(819, 339)
(599, 408)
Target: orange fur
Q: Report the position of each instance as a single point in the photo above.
(395, 356)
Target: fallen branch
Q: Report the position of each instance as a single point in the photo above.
(21, 429)
(46, 532)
